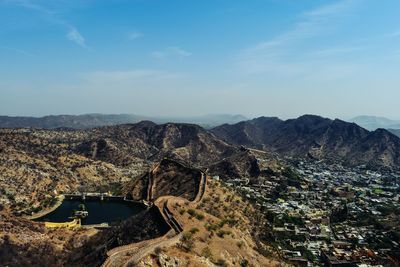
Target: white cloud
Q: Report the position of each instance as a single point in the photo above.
(331, 10)
(266, 55)
(333, 51)
(396, 33)
(135, 35)
(172, 51)
(53, 16)
(29, 5)
(310, 24)
(18, 51)
(74, 36)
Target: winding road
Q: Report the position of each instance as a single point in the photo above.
(144, 248)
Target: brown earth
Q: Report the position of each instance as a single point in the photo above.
(36, 165)
(224, 222)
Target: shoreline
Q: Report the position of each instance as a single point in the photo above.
(61, 198)
(46, 211)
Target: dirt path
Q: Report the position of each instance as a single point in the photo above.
(202, 188)
(115, 253)
(141, 253)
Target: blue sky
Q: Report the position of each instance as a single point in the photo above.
(179, 57)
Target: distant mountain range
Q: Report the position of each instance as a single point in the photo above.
(395, 131)
(317, 138)
(307, 136)
(97, 120)
(372, 123)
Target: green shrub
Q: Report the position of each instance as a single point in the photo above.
(222, 223)
(244, 263)
(212, 226)
(221, 262)
(192, 212)
(223, 233)
(199, 216)
(187, 241)
(194, 230)
(206, 252)
(240, 244)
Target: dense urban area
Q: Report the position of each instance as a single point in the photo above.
(328, 214)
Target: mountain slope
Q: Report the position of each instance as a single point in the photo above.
(316, 137)
(86, 121)
(68, 121)
(238, 165)
(220, 216)
(34, 162)
(167, 178)
(395, 132)
(121, 144)
(372, 122)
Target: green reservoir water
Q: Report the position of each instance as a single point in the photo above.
(106, 211)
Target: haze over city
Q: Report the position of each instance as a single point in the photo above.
(183, 58)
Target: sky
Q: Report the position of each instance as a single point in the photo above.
(283, 58)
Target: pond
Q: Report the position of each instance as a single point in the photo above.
(100, 211)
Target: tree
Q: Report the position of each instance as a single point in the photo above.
(187, 241)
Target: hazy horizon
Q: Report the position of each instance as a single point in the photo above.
(336, 59)
(199, 116)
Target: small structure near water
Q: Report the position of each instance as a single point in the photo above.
(92, 212)
(82, 213)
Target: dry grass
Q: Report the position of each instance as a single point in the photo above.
(216, 230)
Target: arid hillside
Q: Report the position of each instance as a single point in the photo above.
(218, 227)
(167, 178)
(121, 144)
(220, 230)
(37, 164)
(318, 138)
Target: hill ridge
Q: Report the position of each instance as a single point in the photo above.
(318, 137)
